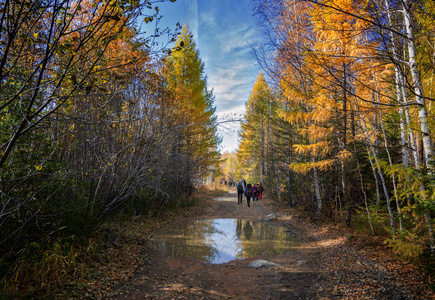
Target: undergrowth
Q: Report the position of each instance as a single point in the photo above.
(378, 217)
(41, 267)
(68, 267)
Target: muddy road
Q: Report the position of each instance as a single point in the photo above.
(324, 265)
(298, 277)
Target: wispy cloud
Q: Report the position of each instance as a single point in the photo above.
(194, 18)
(237, 38)
(207, 19)
(232, 83)
(222, 30)
(225, 31)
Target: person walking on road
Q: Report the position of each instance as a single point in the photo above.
(254, 192)
(248, 193)
(260, 191)
(240, 191)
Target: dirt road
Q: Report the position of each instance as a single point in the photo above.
(179, 278)
(306, 273)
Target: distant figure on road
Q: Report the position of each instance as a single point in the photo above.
(248, 194)
(240, 191)
(260, 191)
(254, 192)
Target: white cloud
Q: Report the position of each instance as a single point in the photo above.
(229, 71)
(230, 142)
(231, 83)
(223, 41)
(229, 130)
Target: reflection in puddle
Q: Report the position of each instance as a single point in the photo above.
(221, 240)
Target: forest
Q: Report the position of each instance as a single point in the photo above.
(340, 121)
(100, 122)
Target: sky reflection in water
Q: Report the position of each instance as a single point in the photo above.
(221, 240)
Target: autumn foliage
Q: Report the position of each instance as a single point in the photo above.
(93, 128)
(350, 91)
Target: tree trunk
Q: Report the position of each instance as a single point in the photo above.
(369, 218)
(422, 112)
(378, 167)
(263, 164)
(346, 199)
(289, 175)
(396, 196)
(419, 95)
(317, 189)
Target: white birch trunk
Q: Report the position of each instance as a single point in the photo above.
(419, 95)
(381, 121)
(317, 188)
(411, 137)
(396, 196)
(378, 197)
(419, 98)
(378, 167)
(364, 192)
(316, 181)
(399, 90)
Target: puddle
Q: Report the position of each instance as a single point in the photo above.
(226, 198)
(218, 241)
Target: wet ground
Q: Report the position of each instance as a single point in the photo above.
(219, 241)
(298, 276)
(324, 264)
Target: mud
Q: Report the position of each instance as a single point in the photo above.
(298, 276)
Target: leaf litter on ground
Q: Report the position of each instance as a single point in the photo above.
(354, 266)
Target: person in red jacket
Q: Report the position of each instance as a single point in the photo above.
(260, 191)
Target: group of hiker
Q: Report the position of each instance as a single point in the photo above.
(255, 192)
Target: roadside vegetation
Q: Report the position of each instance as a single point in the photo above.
(106, 133)
(340, 122)
(97, 130)
(60, 268)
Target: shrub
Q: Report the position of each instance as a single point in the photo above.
(41, 267)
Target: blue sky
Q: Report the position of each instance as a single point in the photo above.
(223, 30)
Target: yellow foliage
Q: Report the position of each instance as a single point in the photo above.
(344, 155)
(318, 149)
(315, 132)
(295, 117)
(410, 243)
(303, 168)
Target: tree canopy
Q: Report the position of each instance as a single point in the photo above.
(352, 135)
